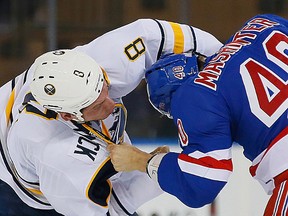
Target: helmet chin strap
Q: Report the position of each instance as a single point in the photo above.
(72, 116)
(79, 118)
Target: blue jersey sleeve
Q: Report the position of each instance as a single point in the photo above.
(201, 170)
(194, 191)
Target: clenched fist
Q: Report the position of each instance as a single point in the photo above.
(126, 157)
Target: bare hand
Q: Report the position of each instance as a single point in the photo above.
(160, 149)
(126, 157)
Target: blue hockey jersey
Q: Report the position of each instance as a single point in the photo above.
(240, 96)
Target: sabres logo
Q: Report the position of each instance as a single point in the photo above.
(49, 89)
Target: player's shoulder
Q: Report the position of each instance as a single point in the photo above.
(147, 25)
(271, 17)
(33, 126)
(145, 21)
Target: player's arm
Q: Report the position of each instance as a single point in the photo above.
(193, 180)
(126, 52)
(126, 157)
(146, 40)
(202, 169)
(171, 37)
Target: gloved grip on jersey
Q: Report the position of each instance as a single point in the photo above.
(165, 76)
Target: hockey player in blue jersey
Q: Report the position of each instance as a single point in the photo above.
(240, 95)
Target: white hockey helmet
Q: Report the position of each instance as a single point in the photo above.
(66, 81)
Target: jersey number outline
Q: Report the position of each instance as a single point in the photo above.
(267, 93)
(135, 49)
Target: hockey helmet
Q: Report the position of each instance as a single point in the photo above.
(165, 76)
(66, 81)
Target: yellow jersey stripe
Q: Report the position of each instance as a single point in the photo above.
(35, 191)
(105, 130)
(178, 38)
(105, 76)
(97, 133)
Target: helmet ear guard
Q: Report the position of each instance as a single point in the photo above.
(66, 81)
(165, 76)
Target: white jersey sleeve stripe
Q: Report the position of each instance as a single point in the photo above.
(224, 154)
(206, 166)
(205, 172)
(264, 169)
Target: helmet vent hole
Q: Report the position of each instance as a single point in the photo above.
(44, 63)
(41, 77)
(54, 62)
(87, 80)
(51, 77)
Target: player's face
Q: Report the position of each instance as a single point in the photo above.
(100, 108)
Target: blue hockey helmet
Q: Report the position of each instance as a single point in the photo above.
(165, 76)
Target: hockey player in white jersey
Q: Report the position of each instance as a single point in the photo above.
(59, 115)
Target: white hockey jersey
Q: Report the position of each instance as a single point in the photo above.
(51, 163)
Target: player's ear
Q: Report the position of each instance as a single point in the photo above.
(67, 116)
